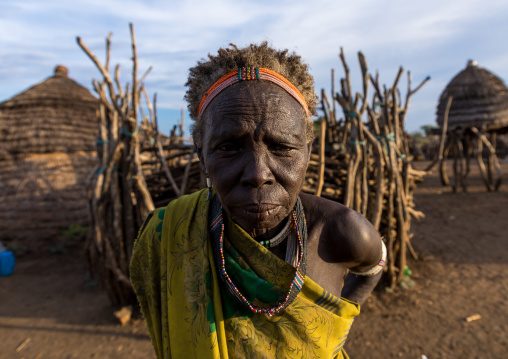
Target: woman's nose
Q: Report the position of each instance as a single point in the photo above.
(256, 172)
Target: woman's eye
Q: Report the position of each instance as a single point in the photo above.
(229, 147)
(281, 149)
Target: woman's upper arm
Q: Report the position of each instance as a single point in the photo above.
(363, 242)
(345, 236)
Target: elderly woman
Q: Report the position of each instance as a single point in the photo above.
(251, 267)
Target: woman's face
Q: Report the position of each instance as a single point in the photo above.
(256, 153)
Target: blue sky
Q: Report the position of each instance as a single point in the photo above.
(429, 38)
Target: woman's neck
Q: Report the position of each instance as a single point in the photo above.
(272, 232)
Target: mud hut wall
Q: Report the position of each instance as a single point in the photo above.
(42, 194)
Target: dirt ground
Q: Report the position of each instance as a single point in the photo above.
(49, 308)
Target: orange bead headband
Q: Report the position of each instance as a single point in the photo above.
(250, 73)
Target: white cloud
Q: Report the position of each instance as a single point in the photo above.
(427, 37)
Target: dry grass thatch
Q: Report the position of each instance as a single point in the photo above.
(56, 115)
(480, 99)
(47, 134)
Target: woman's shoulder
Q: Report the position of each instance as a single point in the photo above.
(344, 234)
(330, 213)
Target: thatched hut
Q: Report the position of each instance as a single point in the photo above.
(480, 99)
(48, 135)
(472, 110)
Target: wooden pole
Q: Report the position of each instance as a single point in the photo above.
(444, 131)
(322, 138)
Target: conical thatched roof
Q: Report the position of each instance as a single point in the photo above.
(47, 154)
(56, 115)
(480, 98)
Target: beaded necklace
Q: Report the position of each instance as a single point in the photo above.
(297, 282)
(278, 238)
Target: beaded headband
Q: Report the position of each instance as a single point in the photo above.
(250, 73)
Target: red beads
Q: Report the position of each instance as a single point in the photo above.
(248, 73)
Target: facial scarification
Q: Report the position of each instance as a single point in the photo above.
(256, 153)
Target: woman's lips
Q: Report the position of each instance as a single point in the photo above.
(260, 213)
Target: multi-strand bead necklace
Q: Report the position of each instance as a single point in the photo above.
(275, 241)
(296, 284)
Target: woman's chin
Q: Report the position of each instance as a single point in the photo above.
(258, 221)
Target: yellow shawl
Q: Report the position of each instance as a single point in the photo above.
(189, 313)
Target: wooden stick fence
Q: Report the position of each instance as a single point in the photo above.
(131, 151)
(363, 160)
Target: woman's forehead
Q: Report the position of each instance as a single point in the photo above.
(252, 105)
(274, 128)
(257, 91)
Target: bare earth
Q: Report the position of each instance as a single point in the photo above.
(49, 309)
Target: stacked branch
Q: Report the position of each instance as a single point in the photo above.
(363, 160)
(173, 169)
(118, 194)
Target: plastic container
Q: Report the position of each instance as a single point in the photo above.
(7, 263)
